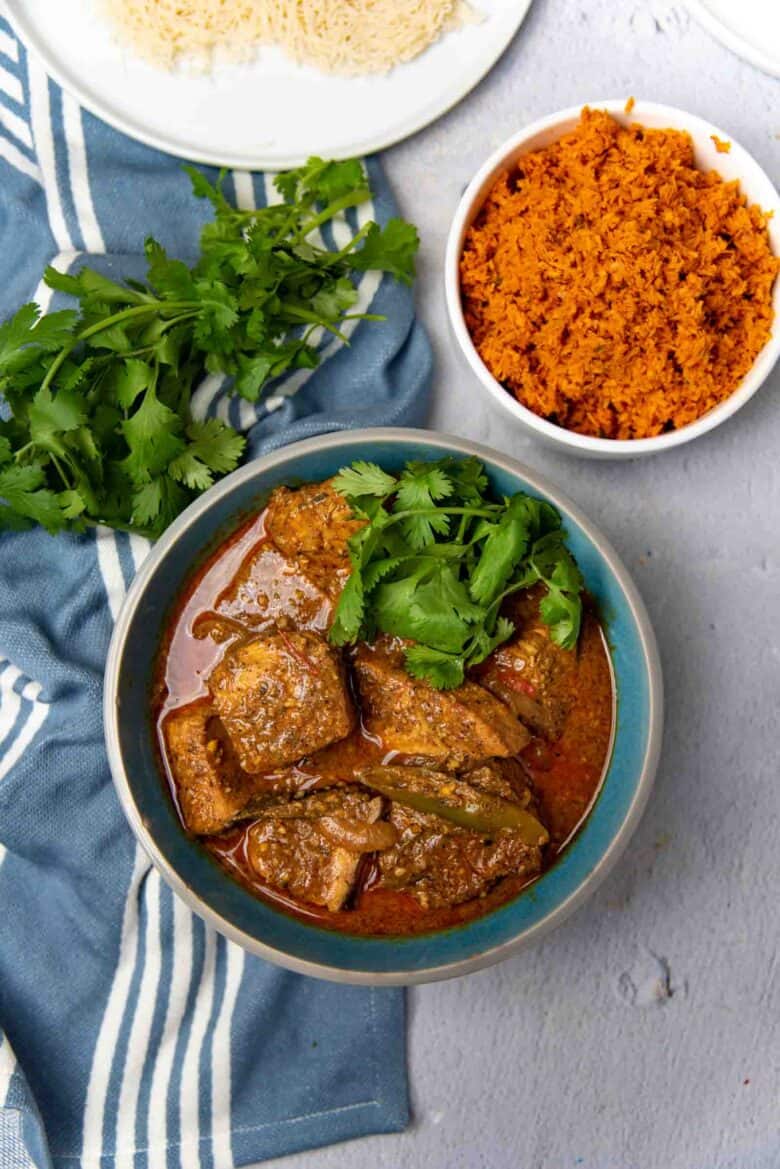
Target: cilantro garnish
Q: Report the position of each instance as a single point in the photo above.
(437, 557)
(100, 428)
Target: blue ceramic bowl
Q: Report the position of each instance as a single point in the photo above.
(198, 879)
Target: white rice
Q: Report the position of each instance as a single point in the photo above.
(338, 36)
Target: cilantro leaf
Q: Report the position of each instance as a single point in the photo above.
(72, 374)
(55, 414)
(147, 501)
(391, 248)
(442, 591)
(170, 278)
(25, 330)
(333, 299)
(97, 289)
(467, 477)
(423, 485)
(348, 618)
(563, 613)
(483, 643)
(157, 503)
(377, 570)
(252, 374)
(133, 376)
(12, 521)
(321, 181)
(72, 503)
(213, 448)
(23, 490)
(363, 478)
(188, 469)
(152, 435)
(203, 189)
(441, 670)
(505, 546)
(430, 606)
(61, 281)
(216, 444)
(561, 609)
(114, 337)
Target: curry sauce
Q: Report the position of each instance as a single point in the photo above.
(246, 679)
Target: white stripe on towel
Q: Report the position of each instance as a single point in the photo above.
(97, 1089)
(79, 175)
(14, 157)
(11, 86)
(205, 394)
(40, 116)
(33, 723)
(139, 549)
(220, 1060)
(110, 568)
(16, 126)
(243, 185)
(189, 1099)
(141, 1028)
(8, 1065)
(10, 701)
(8, 46)
(177, 1002)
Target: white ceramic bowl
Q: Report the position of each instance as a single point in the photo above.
(736, 164)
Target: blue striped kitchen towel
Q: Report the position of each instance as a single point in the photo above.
(130, 1033)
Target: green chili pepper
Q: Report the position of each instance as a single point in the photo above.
(454, 800)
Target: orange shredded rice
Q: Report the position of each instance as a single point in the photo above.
(612, 287)
(721, 146)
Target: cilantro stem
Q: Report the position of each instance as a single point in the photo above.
(353, 199)
(126, 314)
(524, 583)
(60, 471)
(147, 533)
(302, 314)
(353, 243)
(435, 511)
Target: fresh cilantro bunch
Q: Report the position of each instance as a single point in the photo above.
(100, 428)
(276, 285)
(437, 557)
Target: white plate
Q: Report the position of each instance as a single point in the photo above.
(269, 114)
(750, 28)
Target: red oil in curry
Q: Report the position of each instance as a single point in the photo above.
(566, 774)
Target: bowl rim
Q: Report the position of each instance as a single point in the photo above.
(157, 557)
(472, 199)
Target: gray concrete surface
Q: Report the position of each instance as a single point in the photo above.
(645, 1032)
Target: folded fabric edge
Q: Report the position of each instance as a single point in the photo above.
(312, 1132)
(251, 1145)
(387, 1112)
